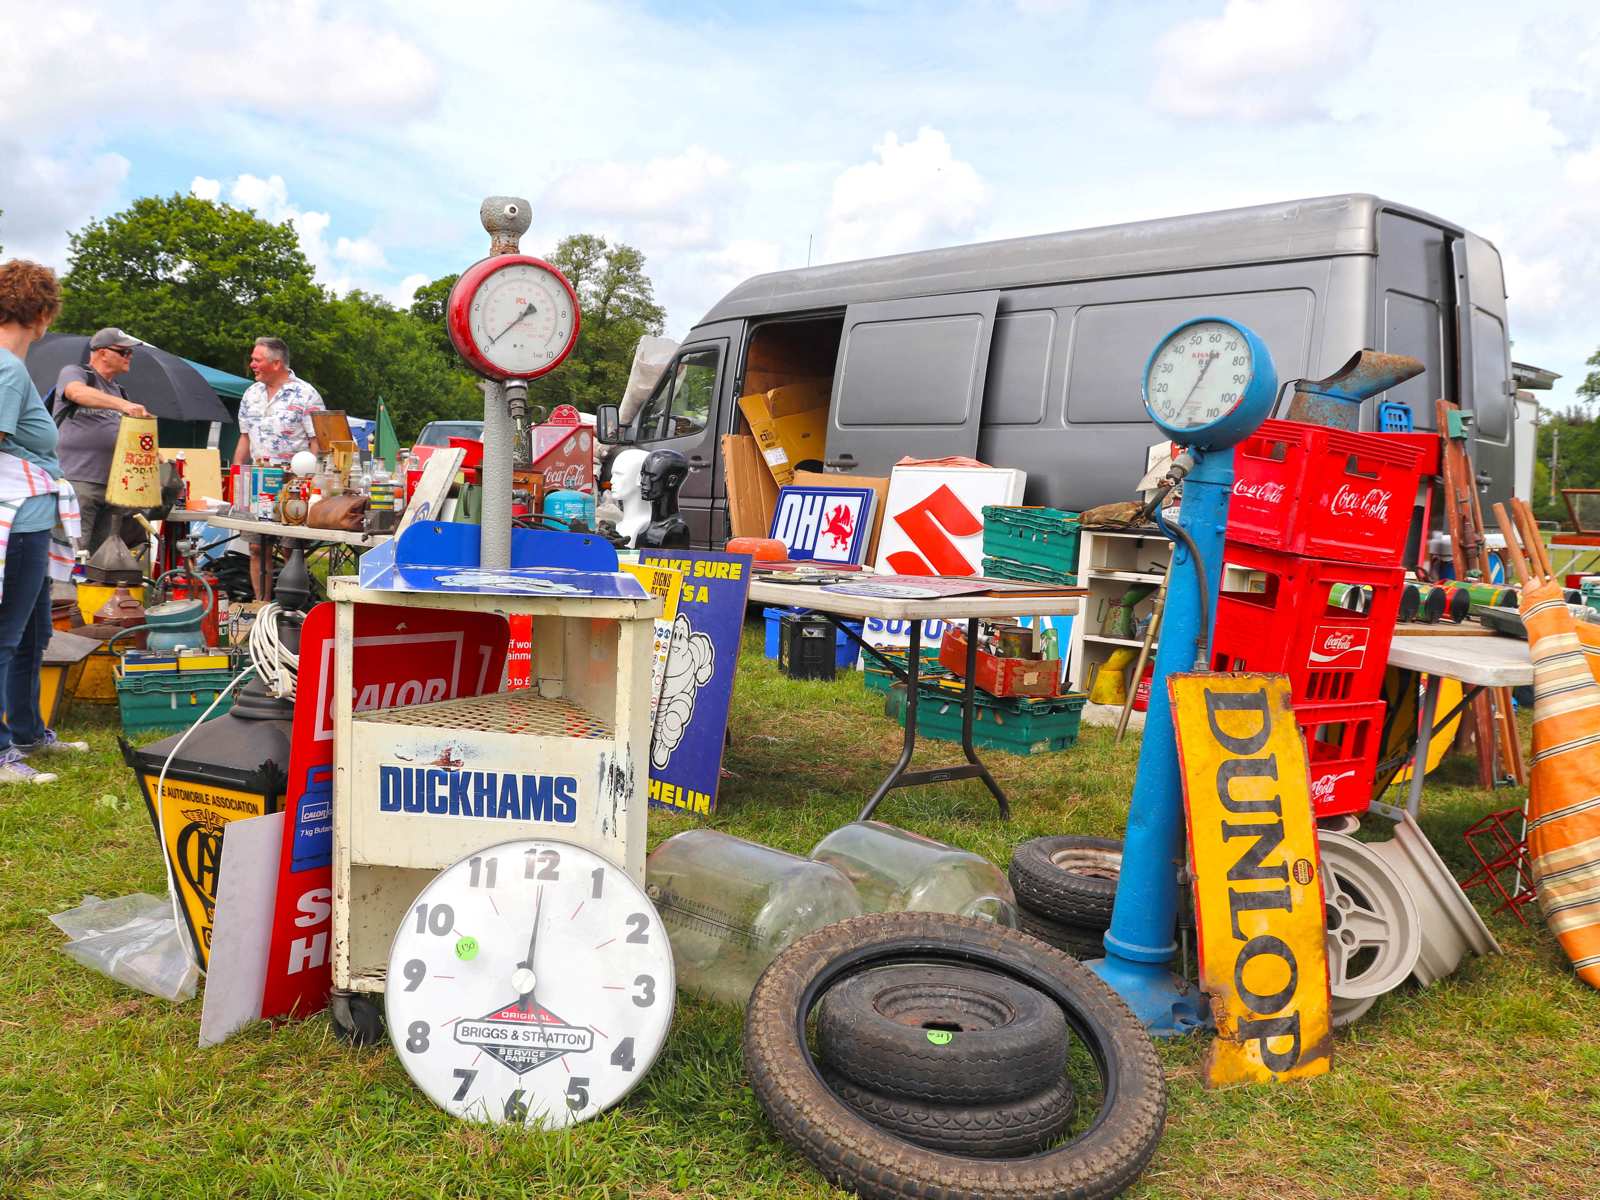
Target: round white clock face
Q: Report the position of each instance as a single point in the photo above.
(521, 318)
(1198, 375)
(531, 983)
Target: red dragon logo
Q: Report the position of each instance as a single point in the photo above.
(841, 526)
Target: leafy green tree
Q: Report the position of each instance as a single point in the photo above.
(388, 353)
(618, 307)
(427, 306)
(198, 278)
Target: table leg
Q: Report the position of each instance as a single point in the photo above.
(968, 701)
(1419, 761)
(973, 768)
(913, 672)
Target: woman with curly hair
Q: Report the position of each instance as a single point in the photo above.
(34, 499)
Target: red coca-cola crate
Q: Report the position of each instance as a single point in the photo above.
(1000, 676)
(1324, 493)
(1342, 753)
(1301, 625)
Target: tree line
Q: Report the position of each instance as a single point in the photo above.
(205, 279)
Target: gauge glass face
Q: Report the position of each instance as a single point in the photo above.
(531, 983)
(1198, 376)
(521, 318)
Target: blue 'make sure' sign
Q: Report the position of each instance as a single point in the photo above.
(692, 717)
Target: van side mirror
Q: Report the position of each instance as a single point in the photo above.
(607, 424)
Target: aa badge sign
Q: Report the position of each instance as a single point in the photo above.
(1258, 899)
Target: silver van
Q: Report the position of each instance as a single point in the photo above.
(1029, 353)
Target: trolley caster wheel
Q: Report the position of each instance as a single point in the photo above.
(357, 1018)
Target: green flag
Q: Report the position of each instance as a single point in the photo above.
(388, 444)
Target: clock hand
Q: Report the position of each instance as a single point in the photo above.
(526, 1002)
(514, 322)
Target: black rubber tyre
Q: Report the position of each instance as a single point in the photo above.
(1101, 1161)
(1007, 1042)
(976, 1130)
(1072, 880)
(1076, 940)
(356, 1018)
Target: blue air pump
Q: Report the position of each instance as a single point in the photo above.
(1207, 386)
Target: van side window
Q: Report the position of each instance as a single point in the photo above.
(681, 403)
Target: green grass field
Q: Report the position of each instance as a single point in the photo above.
(1487, 1084)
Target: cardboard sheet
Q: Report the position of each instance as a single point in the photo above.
(752, 492)
(202, 468)
(243, 927)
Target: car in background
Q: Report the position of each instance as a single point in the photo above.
(436, 435)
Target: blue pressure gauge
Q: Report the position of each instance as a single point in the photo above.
(1210, 383)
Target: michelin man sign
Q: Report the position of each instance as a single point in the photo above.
(692, 715)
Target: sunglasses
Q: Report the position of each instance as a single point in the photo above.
(125, 351)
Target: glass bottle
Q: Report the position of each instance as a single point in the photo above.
(897, 871)
(729, 906)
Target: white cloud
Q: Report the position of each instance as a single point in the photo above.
(205, 189)
(46, 196)
(166, 58)
(1260, 60)
(362, 253)
(403, 293)
(664, 202)
(913, 195)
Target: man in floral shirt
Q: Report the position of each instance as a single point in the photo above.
(274, 426)
(275, 414)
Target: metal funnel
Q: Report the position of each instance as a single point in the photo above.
(1336, 400)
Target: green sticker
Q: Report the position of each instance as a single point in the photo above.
(940, 1037)
(467, 949)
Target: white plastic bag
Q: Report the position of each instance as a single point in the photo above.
(132, 939)
(650, 358)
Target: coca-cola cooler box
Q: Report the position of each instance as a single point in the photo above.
(1324, 493)
(1326, 625)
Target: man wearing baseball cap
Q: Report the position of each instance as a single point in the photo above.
(89, 406)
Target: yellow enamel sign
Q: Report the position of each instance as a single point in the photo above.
(192, 819)
(1258, 899)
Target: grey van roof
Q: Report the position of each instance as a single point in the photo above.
(1295, 229)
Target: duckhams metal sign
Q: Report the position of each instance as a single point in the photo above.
(1258, 898)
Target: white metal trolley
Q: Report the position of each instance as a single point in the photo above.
(583, 724)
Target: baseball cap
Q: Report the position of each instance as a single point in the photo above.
(105, 339)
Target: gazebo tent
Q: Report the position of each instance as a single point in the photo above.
(230, 390)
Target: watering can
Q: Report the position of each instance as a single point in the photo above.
(174, 623)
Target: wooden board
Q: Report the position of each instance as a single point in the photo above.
(1468, 628)
(203, 469)
(331, 426)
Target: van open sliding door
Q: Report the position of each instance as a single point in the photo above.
(909, 381)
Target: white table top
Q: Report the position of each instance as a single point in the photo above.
(294, 532)
(944, 608)
(1478, 661)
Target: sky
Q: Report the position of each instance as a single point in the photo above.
(727, 139)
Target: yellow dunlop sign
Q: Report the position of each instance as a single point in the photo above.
(1258, 901)
(190, 825)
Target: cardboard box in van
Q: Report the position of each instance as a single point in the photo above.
(790, 424)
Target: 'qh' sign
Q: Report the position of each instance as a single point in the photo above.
(1258, 902)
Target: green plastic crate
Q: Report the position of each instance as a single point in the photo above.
(1017, 725)
(169, 699)
(878, 677)
(1010, 568)
(1037, 537)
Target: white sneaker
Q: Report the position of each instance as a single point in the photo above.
(14, 769)
(51, 745)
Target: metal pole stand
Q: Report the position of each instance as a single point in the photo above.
(1141, 944)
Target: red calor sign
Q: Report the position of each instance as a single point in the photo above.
(402, 656)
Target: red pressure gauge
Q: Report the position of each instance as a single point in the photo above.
(512, 316)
